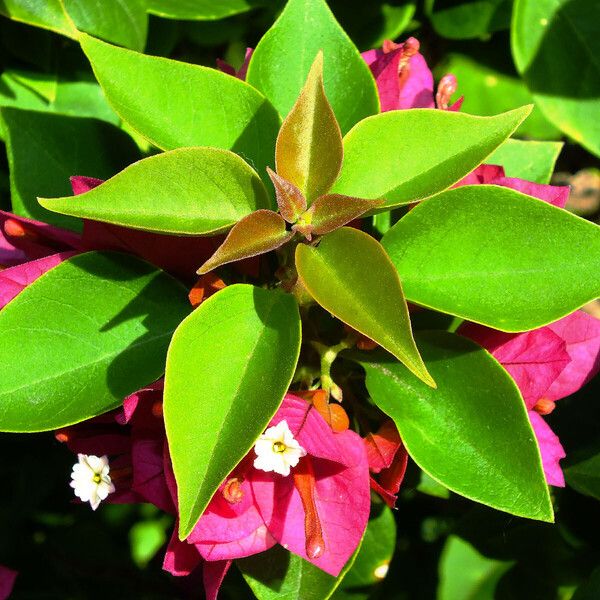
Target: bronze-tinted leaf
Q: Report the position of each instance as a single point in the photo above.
(257, 233)
(309, 146)
(332, 211)
(290, 200)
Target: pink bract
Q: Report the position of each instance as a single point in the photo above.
(268, 508)
(7, 581)
(547, 364)
(404, 80)
(494, 175)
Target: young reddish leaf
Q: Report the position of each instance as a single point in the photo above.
(290, 200)
(332, 211)
(257, 233)
(309, 145)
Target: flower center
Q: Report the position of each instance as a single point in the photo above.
(279, 447)
(97, 478)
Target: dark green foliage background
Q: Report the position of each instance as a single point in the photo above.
(65, 551)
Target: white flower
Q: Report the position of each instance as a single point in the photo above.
(90, 479)
(277, 450)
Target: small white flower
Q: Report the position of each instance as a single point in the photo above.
(90, 479)
(277, 450)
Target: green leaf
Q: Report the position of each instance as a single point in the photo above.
(118, 22)
(369, 24)
(533, 161)
(584, 476)
(472, 433)
(495, 256)
(279, 575)
(568, 96)
(45, 149)
(259, 232)
(309, 149)
(469, 19)
(431, 487)
(283, 57)
(82, 337)
(373, 558)
(202, 10)
(175, 104)
(193, 191)
(146, 538)
(408, 155)
(490, 85)
(465, 573)
(350, 275)
(48, 14)
(228, 367)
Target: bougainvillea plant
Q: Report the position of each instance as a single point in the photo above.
(223, 328)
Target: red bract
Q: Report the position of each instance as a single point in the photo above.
(319, 511)
(547, 364)
(405, 81)
(7, 581)
(388, 459)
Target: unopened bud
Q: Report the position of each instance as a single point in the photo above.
(232, 490)
(446, 87)
(544, 406)
(15, 229)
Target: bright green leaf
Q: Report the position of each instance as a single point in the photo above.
(495, 256)
(370, 23)
(533, 161)
(118, 22)
(202, 10)
(309, 149)
(283, 57)
(45, 149)
(469, 18)
(566, 85)
(191, 191)
(489, 83)
(373, 558)
(84, 336)
(408, 155)
(350, 275)
(175, 104)
(279, 575)
(146, 538)
(48, 14)
(472, 433)
(465, 574)
(228, 367)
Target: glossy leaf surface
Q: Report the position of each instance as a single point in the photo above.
(408, 155)
(278, 574)
(533, 161)
(174, 104)
(44, 150)
(228, 367)
(472, 433)
(309, 145)
(48, 14)
(283, 57)
(373, 558)
(566, 85)
(202, 10)
(350, 275)
(186, 191)
(495, 256)
(103, 333)
(122, 23)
